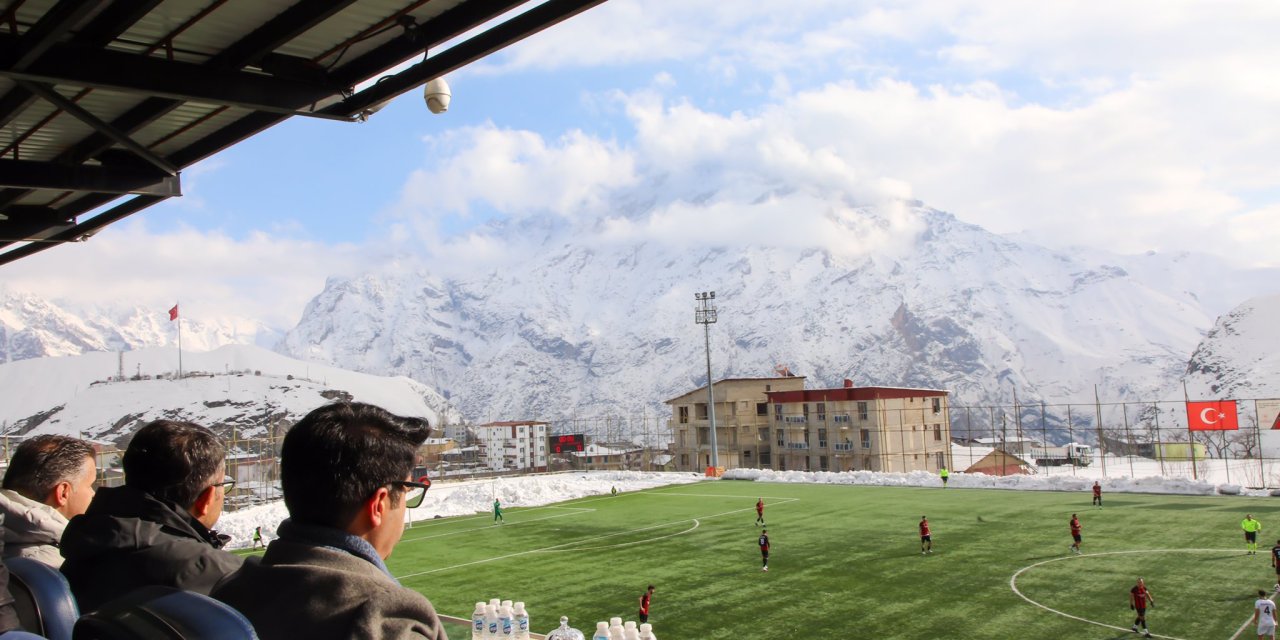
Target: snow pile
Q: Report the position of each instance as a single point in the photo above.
(1149, 484)
(447, 499)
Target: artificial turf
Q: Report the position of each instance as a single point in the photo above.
(846, 562)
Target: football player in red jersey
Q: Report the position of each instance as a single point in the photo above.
(760, 511)
(1075, 534)
(1139, 598)
(764, 548)
(926, 538)
(1097, 494)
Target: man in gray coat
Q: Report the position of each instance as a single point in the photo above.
(48, 482)
(345, 469)
(156, 529)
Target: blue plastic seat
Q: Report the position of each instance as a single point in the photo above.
(42, 598)
(164, 613)
(20, 635)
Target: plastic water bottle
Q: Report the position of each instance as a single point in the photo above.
(520, 618)
(630, 633)
(505, 629)
(615, 629)
(629, 625)
(477, 622)
(646, 632)
(490, 622)
(602, 631)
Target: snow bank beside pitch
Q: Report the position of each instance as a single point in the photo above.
(447, 499)
(1151, 484)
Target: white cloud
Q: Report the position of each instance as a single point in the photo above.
(260, 277)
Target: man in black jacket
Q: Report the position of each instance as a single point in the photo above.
(346, 473)
(156, 529)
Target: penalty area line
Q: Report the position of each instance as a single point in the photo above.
(1013, 584)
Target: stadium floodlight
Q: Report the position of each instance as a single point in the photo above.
(705, 315)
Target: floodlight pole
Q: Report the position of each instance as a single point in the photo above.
(705, 315)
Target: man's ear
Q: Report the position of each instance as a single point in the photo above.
(204, 502)
(376, 507)
(60, 494)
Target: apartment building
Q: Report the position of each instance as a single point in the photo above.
(518, 444)
(743, 423)
(860, 429)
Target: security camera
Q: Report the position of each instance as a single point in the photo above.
(437, 95)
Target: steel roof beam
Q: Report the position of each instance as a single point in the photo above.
(25, 174)
(80, 113)
(182, 81)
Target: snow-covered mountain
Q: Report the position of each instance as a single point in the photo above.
(597, 328)
(1240, 357)
(245, 388)
(34, 327)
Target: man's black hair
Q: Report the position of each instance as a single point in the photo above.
(40, 463)
(173, 461)
(338, 456)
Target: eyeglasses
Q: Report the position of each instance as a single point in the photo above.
(414, 492)
(227, 485)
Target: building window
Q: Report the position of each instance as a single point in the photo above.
(942, 461)
(862, 411)
(822, 411)
(937, 433)
(822, 439)
(866, 438)
(700, 411)
(764, 458)
(840, 418)
(684, 460)
(781, 441)
(777, 411)
(684, 415)
(768, 388)
(822, 462)
(806, 409)
(683, 439)
(746, 455)
(762, 408)
(937, 406)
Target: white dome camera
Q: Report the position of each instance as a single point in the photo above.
(437, 95)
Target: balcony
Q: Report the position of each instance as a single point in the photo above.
(843, 446)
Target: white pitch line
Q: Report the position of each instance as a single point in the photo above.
(495, 528)
(575, 542)
(1013, 584)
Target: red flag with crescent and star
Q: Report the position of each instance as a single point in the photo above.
(1212, 415)
(173, 313)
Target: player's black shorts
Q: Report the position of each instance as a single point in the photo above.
(764, 553)
(1142, 612)
(1251, 536)
(1076, 537)
(928, 538)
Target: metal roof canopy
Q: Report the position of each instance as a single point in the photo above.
(104, 99)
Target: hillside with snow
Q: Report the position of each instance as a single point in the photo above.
(34, 327)
(242, 388)
(1240, 356)
(593, 329)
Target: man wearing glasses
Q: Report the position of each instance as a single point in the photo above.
(345, 469)
(157, 528)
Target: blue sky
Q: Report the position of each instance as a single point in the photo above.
(1135, 126)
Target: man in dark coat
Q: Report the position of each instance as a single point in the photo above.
(156, 529)
(345, 469)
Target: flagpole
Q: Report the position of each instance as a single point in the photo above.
(1190, 443)
(1262, 467)
(1102, 447)
(178, 306)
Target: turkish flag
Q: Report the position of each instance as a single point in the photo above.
(1276, 424)
(1213, 415)
(173, 313)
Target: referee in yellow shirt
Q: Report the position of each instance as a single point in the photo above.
(1251, 528)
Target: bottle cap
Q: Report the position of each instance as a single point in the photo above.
(630, 624)
(615, 622)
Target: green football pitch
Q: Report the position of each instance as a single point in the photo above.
(846, 562)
